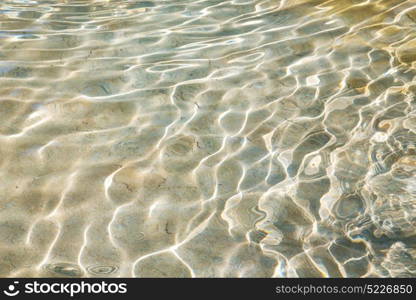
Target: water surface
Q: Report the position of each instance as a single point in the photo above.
(210, 138)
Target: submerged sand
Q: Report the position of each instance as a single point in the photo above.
(209, 138)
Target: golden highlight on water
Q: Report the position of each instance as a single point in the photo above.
(207, 138)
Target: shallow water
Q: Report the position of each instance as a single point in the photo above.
(207, 138)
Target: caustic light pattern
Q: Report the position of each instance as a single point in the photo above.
(207, 138)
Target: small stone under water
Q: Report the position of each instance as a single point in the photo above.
(65, 269)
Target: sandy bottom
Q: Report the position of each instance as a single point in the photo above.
(210, 138)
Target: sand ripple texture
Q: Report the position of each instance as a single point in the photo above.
(207, 138)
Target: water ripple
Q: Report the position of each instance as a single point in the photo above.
(211, 138)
